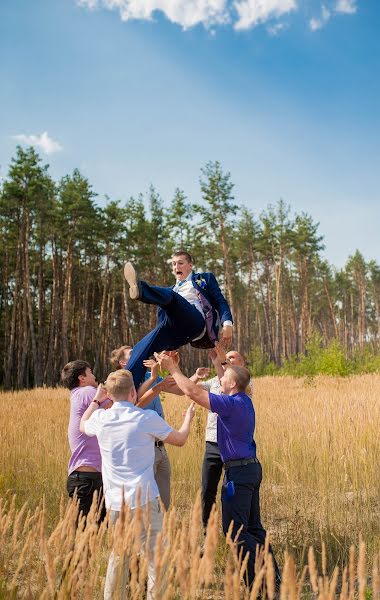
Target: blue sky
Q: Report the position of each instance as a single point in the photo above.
(285, 93)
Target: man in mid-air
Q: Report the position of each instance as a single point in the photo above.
(189, 313)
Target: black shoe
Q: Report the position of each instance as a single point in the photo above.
(133, 281)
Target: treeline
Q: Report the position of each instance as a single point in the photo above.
(62, 293)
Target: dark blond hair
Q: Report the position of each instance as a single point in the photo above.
(119, 384)
(117, 355)
(240, 375)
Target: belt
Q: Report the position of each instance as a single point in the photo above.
(85, 474)
(240, 463)
(159, 443)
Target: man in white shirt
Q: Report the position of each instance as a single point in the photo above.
(126, 436)
(189, 313)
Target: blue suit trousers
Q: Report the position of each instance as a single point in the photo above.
(178, 323)
(244, 510)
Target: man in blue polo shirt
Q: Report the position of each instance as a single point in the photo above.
(243, 474)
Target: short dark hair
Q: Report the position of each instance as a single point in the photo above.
(71, 371)
(182, 252)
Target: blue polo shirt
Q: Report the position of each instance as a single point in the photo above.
(155, 404)
(235, 425)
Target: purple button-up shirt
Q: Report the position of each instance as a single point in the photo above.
(84, 450)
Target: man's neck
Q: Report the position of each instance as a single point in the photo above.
(186, 278)
(117, 400)
(232, 392)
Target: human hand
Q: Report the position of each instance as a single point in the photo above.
(220, 352)
(213, 354)
(153, 366)
(165, 361)
(202, 372)
(190, 412)
(168, 384)
(101, 393)
(227, 335)
(174, 355)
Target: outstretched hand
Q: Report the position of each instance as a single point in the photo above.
(190, 412)
(153, 366)
(169, 385)
(202, 372)
(174, 355)
(218, 353)
(101, 393)
(165, 361)
(227, 336)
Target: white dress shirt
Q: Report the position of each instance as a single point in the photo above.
(186, 289)
(126, 436)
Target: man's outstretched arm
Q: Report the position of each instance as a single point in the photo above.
(189, 388)
(220, 303)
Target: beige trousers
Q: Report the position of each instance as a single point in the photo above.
(113, 579)
(161, 470)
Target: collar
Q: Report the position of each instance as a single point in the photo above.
(188, 278)
(123, 404)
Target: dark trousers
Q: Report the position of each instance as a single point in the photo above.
(212, 468)
(243, 508)
(178, 323)
(83, 485)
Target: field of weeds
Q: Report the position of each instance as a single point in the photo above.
(318, 441)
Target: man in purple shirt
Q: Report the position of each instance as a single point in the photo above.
(242, 469)
(85, 464)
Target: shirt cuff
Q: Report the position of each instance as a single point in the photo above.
(227, 323)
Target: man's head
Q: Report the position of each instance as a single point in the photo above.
(77, 373)
(120, 386)
(235, 358)
(235, 379)
(182, 264)
(120, 357)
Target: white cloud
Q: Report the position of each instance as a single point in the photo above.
(186, 13)
(347, 7)
(91, 4)
(253, 12)
(315, 24)
(43, 141)
(275, 29)
(242, 14)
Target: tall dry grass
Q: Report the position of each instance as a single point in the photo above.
(319, 445)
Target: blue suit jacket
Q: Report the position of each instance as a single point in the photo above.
(208, 286)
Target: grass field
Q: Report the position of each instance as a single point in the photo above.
(318, 441)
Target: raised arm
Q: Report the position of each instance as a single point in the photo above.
(189, 388)
(178, 438)
(219, 359)
(220, 303)
(149, 395)
(100, 396)
(154, 367)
